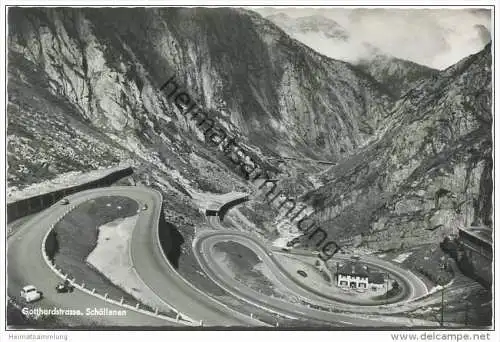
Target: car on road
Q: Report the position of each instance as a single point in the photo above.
(302, 273)
(30, 294)
(64, 287)
(64, 201)
(145, 207)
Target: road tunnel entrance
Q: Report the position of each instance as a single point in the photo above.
(210, 212)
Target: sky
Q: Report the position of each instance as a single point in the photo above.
(436, 38)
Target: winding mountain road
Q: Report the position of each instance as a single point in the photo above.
(26, 265)
(204, 246)
(152, 266)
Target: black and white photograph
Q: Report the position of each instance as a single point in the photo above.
(249, 168)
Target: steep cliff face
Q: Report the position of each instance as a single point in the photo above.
(107, 65)
(84, 92)
(429, 173)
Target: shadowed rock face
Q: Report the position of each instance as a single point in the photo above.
(430, 172)
(107, 64)
(84, 92)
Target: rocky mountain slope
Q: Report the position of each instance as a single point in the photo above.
(328, 37)
(84, 92)
(108, 65)
(429, 173)
(397, 75)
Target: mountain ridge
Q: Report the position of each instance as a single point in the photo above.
(392, 182)
(89, 73)
(395, 74)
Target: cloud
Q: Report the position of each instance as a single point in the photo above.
(434, 37)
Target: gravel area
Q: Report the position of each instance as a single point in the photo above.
(112, 258)
(77, 235)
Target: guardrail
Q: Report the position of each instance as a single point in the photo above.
(235, 294)
(59, 272)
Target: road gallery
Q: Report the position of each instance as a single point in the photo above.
(218, 137)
